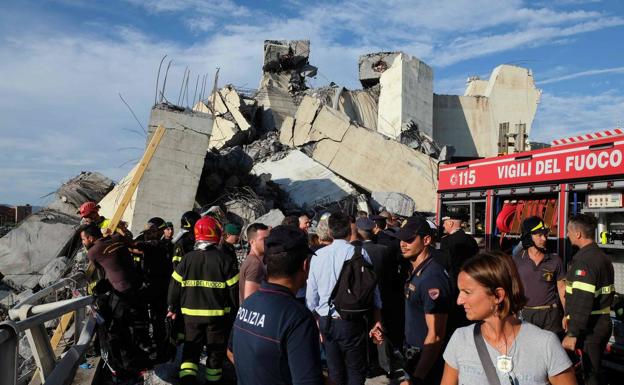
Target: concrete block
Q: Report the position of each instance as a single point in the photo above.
(305, 181)
(369, 159)
(372, 65)
(406, 97)
(53, 271)
(272, 218)
(277, 104)
(286, 131)
(222, 131)
(285, 54)
(360, 106)
(21, 282)
(394, 202)
(170, 182)
(330, 123)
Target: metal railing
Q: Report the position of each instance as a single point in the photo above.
(30, 318)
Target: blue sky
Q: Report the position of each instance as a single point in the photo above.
(65, 62)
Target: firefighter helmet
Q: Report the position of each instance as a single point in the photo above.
(156, 222)
(88, 208)
(532, 225)
(189, 219)
(208, 229)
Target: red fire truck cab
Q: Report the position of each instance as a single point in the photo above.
(580, 174)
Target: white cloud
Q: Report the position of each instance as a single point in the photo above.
(561, 116)
(614, 70)
(59, 108)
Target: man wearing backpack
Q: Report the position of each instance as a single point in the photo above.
(343, 328)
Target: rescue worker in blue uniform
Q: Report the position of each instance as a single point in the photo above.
(275, 339)
(204, 289)
(427, 304)
(589, 295)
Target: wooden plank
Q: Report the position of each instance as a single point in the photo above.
(134, 183)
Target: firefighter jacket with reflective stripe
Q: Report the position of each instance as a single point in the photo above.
(183, 246)
(589, 289)
(204, 285)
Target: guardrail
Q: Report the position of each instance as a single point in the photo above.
(30, 318)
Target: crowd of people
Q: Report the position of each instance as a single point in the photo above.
(431, 308)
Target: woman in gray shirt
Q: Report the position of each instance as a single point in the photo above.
(490, 291)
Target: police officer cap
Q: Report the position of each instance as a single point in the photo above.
(534, 225)
(288, 239)
(412, 227)
(364, 224)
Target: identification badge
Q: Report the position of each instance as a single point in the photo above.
(504, 364)
(548, 276)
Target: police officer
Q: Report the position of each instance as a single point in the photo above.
(184, 241)
(457, 247)
(589, 295)
(204, 289)
(542, 277)
(273, 330)
(427, 303)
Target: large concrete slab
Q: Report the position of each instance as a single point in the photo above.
(305, 181)
(170, 182)
(277, 104)
(406, 97)
(364, 157)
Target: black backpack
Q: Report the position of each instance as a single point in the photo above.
(355, 288)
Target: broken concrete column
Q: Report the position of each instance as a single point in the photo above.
(277, 104)
(306, 182)
(372, 65)
(169, 185)
(406, 97)
(361, 156)
(492, 117)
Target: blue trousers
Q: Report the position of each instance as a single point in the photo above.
(345, 347)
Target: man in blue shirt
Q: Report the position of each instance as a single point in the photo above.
(427, 303)
(275, 339)
(344, 340)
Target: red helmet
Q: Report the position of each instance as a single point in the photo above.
(208, 229)
(88, 208)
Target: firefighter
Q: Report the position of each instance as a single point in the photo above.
(204, 290)
(589, 296)
(542, 276)
(184, 241)
(156, 269)
(90, 213)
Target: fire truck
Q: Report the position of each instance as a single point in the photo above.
(581, 174)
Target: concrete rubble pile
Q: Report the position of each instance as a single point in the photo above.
(287, 148)
(38, 251)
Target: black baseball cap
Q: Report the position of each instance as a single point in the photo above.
(412, 227)
(287, 238)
